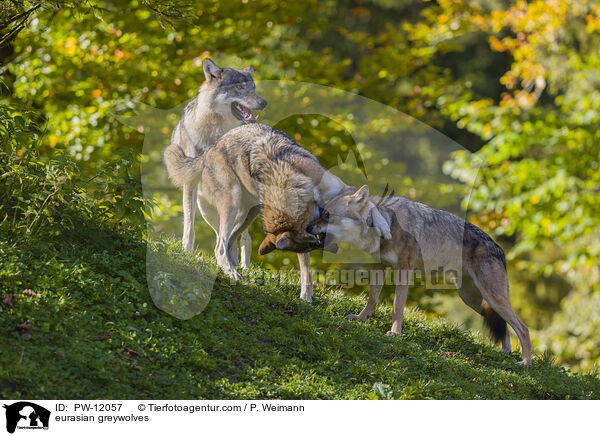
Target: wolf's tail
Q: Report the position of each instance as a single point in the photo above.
(493, 321)
(182, 169)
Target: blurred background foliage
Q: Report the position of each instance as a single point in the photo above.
(514, 83)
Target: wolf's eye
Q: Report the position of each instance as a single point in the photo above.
(239, 86)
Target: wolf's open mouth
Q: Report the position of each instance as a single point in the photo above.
(324, 244)
(242, 112)
(320, 239)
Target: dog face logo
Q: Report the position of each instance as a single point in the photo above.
(26, 415)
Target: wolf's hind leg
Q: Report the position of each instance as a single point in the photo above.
(189, 209)
(209, 213)
(228, 209)
(232, 251)
(471, 296)
(492, 280)
(241, 232)
(506, 347)
(505, 310)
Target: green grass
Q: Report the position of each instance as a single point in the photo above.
(250, 341)
(113, 318)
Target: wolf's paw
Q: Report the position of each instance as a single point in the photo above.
(306, 297)
(234, 275)
(525, 363)
(353, 317)
(391, 333)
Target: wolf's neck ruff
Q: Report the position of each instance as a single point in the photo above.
(206, 125)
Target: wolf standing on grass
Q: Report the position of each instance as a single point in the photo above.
(423, 237)
(226, 99)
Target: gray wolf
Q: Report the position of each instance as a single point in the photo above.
(254, 169)
(422, 235)
(225, 99)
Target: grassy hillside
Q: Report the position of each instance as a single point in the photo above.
(77, 320)
(95, 333)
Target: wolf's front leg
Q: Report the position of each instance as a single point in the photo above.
(367, 311)
(189, 210)
(306, 283)
(398, 309)
(245, 249)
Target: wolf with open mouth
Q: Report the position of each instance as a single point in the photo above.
(226, 99)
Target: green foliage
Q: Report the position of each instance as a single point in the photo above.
(14, 16)
(48, 196)
(539, 184)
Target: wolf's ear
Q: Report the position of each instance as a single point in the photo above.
(266, 246)
(211, 71)
(284, 241)
(360, 196)
(249, 69)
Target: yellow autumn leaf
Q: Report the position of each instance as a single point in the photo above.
(496, 44)
(70, 45)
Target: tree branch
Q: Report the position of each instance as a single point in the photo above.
(19, 16)
(6, 37)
